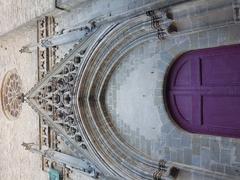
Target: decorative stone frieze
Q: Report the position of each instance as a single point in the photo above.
(46, 56)
(163, 22)
(12, 95)
(55, 99)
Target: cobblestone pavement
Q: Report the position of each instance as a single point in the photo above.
(17, 163)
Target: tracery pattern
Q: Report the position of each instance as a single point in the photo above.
(12, 94)
(55, 98)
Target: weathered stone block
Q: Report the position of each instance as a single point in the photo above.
(173, 156)
(205, 158)
(195, 160)
(205, 141)
(214, 150)
(187, 156)
(180, 156)
(167, 153)
(186, 140)
(232, 170)
(217, 167)
(196, 145)
(226, 142)
(225, 156)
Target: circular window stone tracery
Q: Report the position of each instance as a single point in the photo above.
(11, 95)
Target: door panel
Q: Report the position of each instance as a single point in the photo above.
(220, 70)
(203, 91)
(221, 111)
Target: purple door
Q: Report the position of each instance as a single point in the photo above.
(203, 91)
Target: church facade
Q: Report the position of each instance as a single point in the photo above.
(128, 89)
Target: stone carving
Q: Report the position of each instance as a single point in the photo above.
(163, 22)
(165, 172)
(236, 10)
(12, 95)
(66, 36)
(26, 49)
(28, 146)
(46, 56)
(61, 158)
(46, 61)
(55, 98)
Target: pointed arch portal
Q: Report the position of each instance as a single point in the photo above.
(203, 91)
(202, 95)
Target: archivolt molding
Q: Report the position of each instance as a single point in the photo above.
(118, 156)
(52, 98)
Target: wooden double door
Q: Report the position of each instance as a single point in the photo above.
(203, 91)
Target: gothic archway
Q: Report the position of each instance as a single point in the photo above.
(99, 62)
(90, 133)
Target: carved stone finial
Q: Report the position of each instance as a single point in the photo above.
(165, 172)
(236, 10)
(25, 49)
(163, 22)
(28, 146)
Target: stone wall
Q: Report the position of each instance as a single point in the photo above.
(17, 163)
(15, 13)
